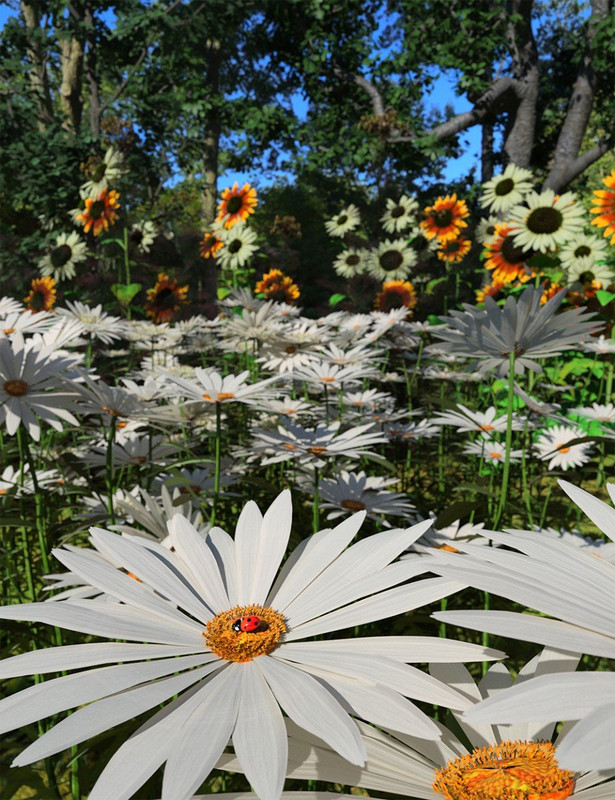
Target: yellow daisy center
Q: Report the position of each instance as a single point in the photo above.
(506, 771)
(244, 632)
(219, 398)
(353, 505)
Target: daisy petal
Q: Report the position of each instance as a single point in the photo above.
(273, 540)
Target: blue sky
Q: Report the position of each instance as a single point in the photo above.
(440, 94)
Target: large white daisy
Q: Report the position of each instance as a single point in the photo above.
(547, 221)
(223, 633)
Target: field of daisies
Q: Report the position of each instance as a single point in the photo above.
(365, 548)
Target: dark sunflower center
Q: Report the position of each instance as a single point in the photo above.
(234, 204)
(443, 218)
(165, 298)
(452, 247)
(38, 301)
(398, 211)
(490, 230)
(587, 276)
(61, 255)
(545, 220)
(582, 251)
(393, 298)
(391, 260)
(504, 187)
(352, 260)
(97, 209)
(342, 219)
(277, 293)
(136, 236)
(235, 246)
(511, 253)
(420, 244)
(98, 173)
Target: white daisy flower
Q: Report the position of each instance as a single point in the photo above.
(287, 407)
(548, 220)
(34, 388)
(446, 537)
(351, 262)
(399, 215)
(485, 229)
(105, 172)
(210, 386)
(242, 297)
(391, 260)
(598, 411)
(61, 260)
(411, 431)
(581, 254)
(224, 639)
(599, 344)
(554, 445)
(135, 450)
(577, 592)
(153, 515)
(8, 305)
(96, 322)
(347, 220)
(23, 322)
(238, 246)
(484, 763)
(332, 376)
(507, 189)
(491, 451)
(485, 422)
(260, 326)
(350, 492)
(143, 234)
(311, 446)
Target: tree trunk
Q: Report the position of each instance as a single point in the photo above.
(39, 79)
(520, 132)
(71, 62)
(579, 109)
(92, 71)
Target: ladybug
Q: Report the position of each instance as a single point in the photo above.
(247, 625)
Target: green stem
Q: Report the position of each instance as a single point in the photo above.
(316, 502)
(109, 469)
(509, 420)
(38, 500)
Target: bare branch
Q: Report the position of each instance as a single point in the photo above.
(482, 108)
(586, 159)
(363, 83)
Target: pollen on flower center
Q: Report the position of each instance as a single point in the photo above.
(226, 637)
(16, 387)
(219, 398)
(353, 505)
(506, 771)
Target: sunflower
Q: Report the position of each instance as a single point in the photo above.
(506, 190)
(60, 261)
(583, 260)
(275, 285)
(489, 290)
(548, 221)
(99, 173)
(454, 250)
(236, 204)
(165, 299)
(210, 245)
(486, 228)
(395, 294)
(505, 257)
(605, 208)
(99, 212)
(391, 260)
(400, 215)
(351, 262)
(143, 235)
(42, 296)
(347, 220)
(445, 218)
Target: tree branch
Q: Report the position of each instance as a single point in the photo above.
(579, 107)
(483, 106)
(586, 159)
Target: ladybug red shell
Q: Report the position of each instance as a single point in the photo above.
(247, 624)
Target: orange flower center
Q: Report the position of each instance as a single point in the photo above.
(563, 449)
(16, 387)
(353, 505)
(506, 771)
(317, 450)
(220, 397)
(227, 638)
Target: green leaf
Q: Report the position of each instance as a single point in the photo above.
(125, 292)
(604, 297)
(336, 298)
(222, 292)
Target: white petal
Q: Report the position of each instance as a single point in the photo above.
(76, 656)
(533, 629)
(106, 619)
(259, 737)
(272, 544)
(203, 737)
(313, 556)
(44, 699)
(383, 605)
(105, 714)
(246, 549)
(191, 548)
(223, 548)
(158, 570)
(589, 745)
(311, 707)
(600, 513)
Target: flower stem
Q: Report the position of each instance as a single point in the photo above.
(509, 419)
(316, 502)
